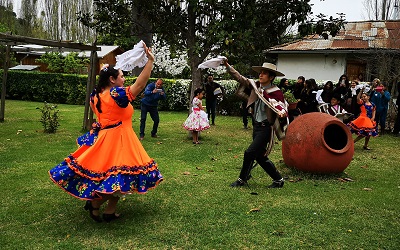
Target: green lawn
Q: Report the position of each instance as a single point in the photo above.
(195, 208)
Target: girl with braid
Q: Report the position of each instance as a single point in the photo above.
(110, 160)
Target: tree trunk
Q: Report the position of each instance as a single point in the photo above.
(193, 55)
(144, 31)
(384, 10)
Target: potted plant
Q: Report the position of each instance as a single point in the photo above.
(289, 97)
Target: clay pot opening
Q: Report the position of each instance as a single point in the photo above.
(336, 138)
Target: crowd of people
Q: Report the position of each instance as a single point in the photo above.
(362, 106)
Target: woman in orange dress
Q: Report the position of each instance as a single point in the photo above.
(110, 160)
(364, 125)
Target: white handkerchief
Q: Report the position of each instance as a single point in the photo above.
(130, 59)
(212, 63)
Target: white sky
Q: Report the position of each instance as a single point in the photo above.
(354, 9)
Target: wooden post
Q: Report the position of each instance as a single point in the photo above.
(88, 115)
(4, 83)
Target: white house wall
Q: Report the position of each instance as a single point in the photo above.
(318, 66)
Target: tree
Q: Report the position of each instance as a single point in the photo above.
(323, 26)
(7, 16)
(240, 29)
(56, 62)
(381, 9)
(28, 13)
(61, 22)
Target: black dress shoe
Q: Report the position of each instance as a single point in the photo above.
(110, 217)
(88, 206)
(238, 183)
(276, 184)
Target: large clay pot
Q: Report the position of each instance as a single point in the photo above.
(319, 143)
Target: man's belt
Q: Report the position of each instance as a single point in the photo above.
(264, 123)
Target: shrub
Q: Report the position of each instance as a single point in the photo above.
(46, 87)
(71, 89)
(49, 118)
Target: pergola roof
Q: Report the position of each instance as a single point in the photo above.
(13, 40)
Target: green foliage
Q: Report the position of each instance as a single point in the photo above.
(46, 87)
(289, 97)
(3, 28)
(8, 19)
(49, 118)
(322, 26)
(231, 27)
(28, 24)
(71, 89)
(113, 22)
(56, 62)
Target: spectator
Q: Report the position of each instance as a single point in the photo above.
(325, 95)
(396, 128)
(341, 87)
(334, 107)
(213, 90)
(152, 94)
(308, 98)
(298, 87)
(351, 103)
(284, 85)
(381, 97)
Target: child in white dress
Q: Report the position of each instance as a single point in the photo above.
(197, 120)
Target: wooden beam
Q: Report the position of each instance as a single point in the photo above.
(46, 49)
(51, 43)
(88, 113)
(4, 83)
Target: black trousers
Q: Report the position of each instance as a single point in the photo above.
(256, 151)
(245, 113)
(396, 128)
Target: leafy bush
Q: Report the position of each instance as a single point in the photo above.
(178, 94)
(46, 87)
(71, 89)
(230, 104)
(49, 118)
(56, 62)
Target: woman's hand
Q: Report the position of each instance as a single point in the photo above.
(144, 76)
(282, 114)
(149, 52)
(225, 62)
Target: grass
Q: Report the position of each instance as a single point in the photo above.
(194, 208)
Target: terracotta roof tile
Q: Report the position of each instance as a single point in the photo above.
(355, 35)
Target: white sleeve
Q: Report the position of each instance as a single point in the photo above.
(318, 96)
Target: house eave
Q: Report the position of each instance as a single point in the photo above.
(332, 51)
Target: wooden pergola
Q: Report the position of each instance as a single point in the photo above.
(13, 40)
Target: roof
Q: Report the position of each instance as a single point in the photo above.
(40, 50)
(365, 35)
(24, 67)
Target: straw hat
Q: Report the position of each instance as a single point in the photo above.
(269, 67)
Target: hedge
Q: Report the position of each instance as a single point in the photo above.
(70, 89)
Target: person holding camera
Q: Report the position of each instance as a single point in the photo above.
(381, 97)
(213, 90)
(152, 94)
